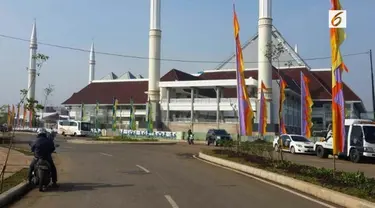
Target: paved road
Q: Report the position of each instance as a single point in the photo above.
(152, 176)
(367, 168)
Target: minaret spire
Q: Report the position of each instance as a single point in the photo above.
(32, 63)
(154, 60)
(92, 63)
(264, 64)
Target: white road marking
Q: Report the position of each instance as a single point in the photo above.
(270, 183)
(102, 153)
(144, 169)
(171, 201)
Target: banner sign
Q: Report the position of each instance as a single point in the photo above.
(162, 134)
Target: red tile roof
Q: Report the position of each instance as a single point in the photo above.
(317, 90)
(103, 92)
(175, 74)
(231, 92)
(325, 77)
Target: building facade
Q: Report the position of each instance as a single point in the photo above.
(209, 99)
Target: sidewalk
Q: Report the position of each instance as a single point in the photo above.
(16, 161)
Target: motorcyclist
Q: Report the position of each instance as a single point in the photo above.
(189, 133)
(43, 147)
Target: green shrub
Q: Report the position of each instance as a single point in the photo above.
(259, 154)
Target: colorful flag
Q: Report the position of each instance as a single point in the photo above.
(306, 107)
(245, 111)
(337, 36)
(82, 111)
(150, 121)
(9, 116)
(114, 116)
(132, 122)
(262, 112)
(24, 115)
(282, 127)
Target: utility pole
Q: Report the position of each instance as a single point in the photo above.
(372, 85)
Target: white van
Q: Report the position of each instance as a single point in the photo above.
(359, 141)
(73, 128)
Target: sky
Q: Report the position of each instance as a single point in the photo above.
(198, 30)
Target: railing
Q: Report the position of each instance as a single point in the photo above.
(204, 100)
(207, 120)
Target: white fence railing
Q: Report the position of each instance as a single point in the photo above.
(204, 100)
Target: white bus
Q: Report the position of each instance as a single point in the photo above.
(74, 128)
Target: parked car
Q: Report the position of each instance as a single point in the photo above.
(293, 143)
(217, 136)
(3, 128)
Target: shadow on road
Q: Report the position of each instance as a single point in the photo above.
(70, 187)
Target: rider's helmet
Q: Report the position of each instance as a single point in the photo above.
(42, 132)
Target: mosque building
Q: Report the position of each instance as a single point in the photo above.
(208, 99)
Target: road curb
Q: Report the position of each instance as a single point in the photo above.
(25, 132)
(79, 141)
(200, 142)
(12, 194)
(308, 188)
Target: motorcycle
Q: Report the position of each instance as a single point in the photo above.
(42, 174)
(191, 139)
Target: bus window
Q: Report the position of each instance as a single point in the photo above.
(356, 136)
(85, 126)
(73, 124)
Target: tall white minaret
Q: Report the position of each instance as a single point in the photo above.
(264, 38)
(154, 60)
(32, 64)
(92, 64)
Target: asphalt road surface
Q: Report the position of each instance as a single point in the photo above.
(367, 167)
(154, 176)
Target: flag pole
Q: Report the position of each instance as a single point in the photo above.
(334, 164)
(372, 84)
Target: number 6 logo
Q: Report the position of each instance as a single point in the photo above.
(337, 19)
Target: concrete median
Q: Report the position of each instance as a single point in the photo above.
(311, 189)
(82, 141)
(14, 193)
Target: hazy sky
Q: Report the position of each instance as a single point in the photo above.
(192, 30)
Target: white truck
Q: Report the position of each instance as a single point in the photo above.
(359, 141)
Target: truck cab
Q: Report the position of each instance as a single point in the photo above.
(359, 141)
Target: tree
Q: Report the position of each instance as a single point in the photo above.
(30, 105)
(23, 93)
(273, 53)
(40, 60)
(47, 93)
